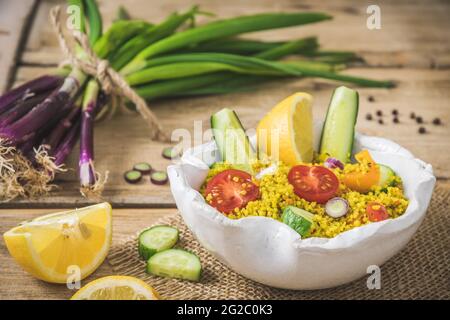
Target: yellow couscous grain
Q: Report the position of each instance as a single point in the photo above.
(277, 193)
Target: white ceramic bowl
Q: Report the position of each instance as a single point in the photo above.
(270, 252)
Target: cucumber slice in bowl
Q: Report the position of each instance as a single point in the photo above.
(232, 142)
(386, 175)
(175, 263)
(298, 219)
(157, 239)
(338, 131)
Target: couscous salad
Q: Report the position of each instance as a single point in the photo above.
(318, 194)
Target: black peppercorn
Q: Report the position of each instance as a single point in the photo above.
(422, 130)
(369, 116)
(412, 115)
(380, 121)
(395, 120)
(436, 121)
(379, 113)
(371, 98)
(419, 120)
(395, 112)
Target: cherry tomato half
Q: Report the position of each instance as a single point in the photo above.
(313, 183)
(376, 212)
(231, 189)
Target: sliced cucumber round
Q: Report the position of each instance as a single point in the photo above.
(386, 175)
(175, 263)
(143, 167)
(156, 239)
(132, 176)
(159, 177)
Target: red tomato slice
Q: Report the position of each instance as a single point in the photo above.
(376, 212)
(313, 183)
(231, 189)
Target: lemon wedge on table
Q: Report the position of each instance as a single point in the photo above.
(116, 288)
(286, 132)
(47, 246)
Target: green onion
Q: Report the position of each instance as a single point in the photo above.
(95, 21)
(166, 67)
(79, 4)
(250, 47)
(220, 29)
(171, 87)
(130, 49)
(117, 34)
(287, 48)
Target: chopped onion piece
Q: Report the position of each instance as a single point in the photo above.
(269, 170)
(336, 207)
(333, 163)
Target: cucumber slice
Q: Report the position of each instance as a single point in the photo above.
(143, 167)
(298, 219)
(232, 142)
(338, 131)
(132, 176)
(159, 177)
(156, 239)
(386, 175)
(175, 263)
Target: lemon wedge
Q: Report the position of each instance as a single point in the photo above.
(116, 288)
(286, 132)
(54, 246)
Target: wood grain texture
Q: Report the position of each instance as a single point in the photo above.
(412, 48)
(412, 34)
(126, 222)
(12, 27)
(123, 141)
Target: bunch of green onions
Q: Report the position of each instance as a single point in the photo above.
(41, 120)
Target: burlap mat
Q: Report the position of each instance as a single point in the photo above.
(420, 271)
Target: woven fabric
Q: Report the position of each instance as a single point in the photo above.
(420, 271)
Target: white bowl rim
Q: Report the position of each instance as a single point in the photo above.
(344, 240)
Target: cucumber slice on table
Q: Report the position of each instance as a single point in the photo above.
(156, 239)
(338, 131)
(175, 263)
(232, 142)
(386, 175)
(298, 219)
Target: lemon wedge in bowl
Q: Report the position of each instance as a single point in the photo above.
(116, 288)
(286, 132)
(54, 246)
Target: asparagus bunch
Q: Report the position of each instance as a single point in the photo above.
(41, 120)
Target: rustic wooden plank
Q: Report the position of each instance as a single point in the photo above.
(13, 18)
(123, 140)
(413, 33)
(17, 284)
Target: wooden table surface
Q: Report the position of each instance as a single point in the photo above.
(412, 48)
